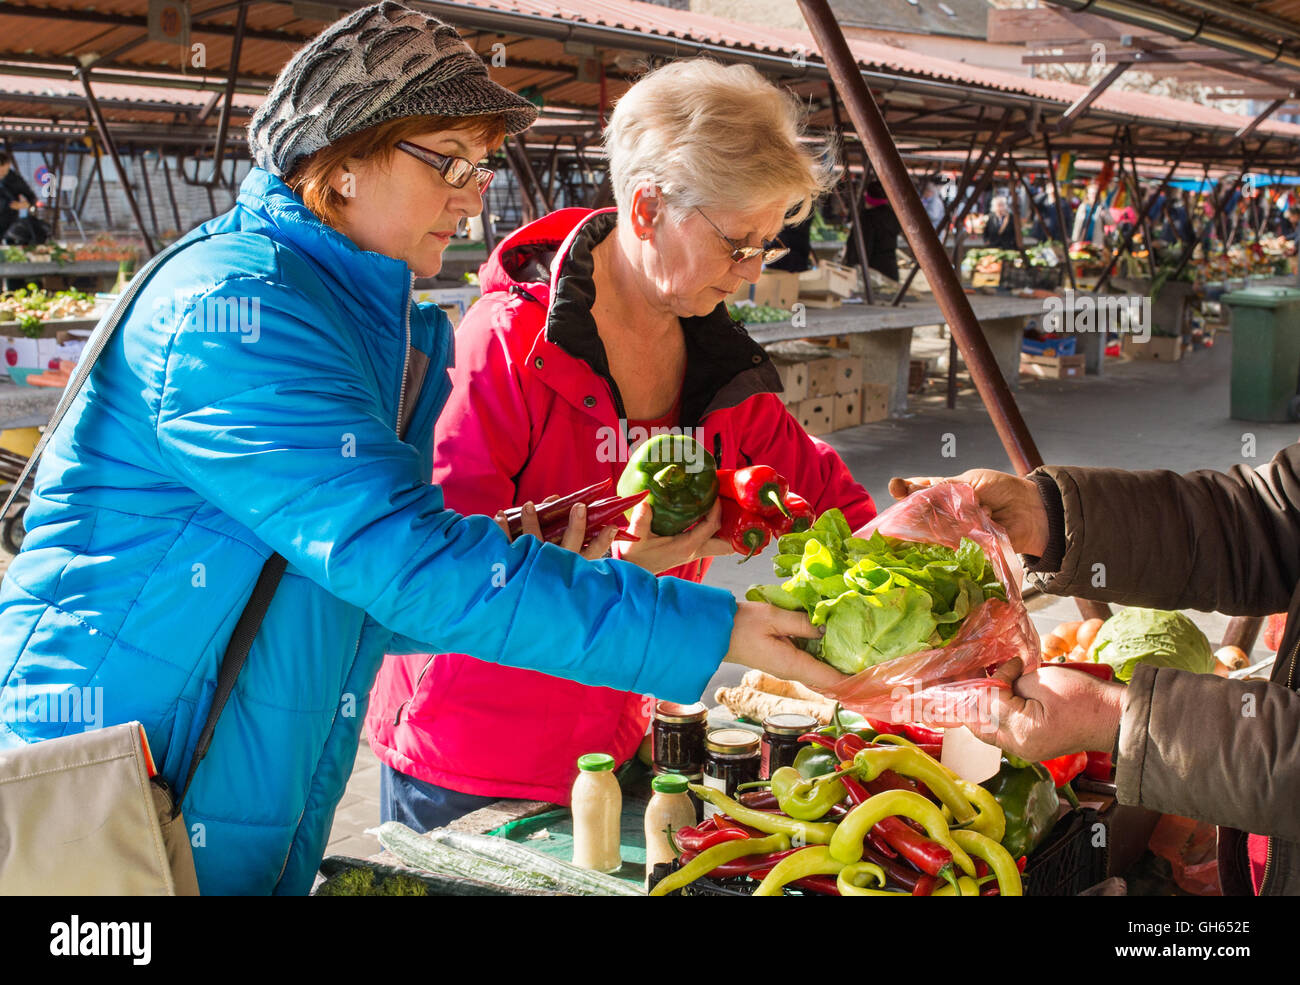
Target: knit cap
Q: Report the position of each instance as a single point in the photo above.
(381, 63)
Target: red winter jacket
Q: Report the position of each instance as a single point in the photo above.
(533, 412)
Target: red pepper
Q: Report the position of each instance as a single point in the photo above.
(759, 800)
(928, 856)
(848, 746)
(822, 885)
(731, 824)
(748, 864)
(825, 741)
(1100, 766)
(555, 508)
(599, 514)
(921, 735)
(695, 840)
(800, 516)
(759, 489)
(925, 886)
(1066, 768)
(747, 532)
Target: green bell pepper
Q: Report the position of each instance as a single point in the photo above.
(805, 799)
(1029, 802)
(814, 760)
(682, 478)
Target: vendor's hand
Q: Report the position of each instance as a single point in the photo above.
(760, 640)
(1011, 501)
(1050, 712)
(573, 536)
(656, 554)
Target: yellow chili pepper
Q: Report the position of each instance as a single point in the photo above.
(870, 763)
(846, 844)
(1001, 864)
(800, 832)
(991, 821)
(965, 887)
(711, 858)
(813, 861)
(847, 882)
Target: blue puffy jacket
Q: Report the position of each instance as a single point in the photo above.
(249, 404)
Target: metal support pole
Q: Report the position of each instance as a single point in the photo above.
(1060, 211)
(171, 191)
(60, 159)
(954, 304)
(1080, 105)
(227, 105)
(148, 194)
(1242, 632)
(855, 199)
(101, 125)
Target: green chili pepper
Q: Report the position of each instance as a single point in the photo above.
(908, 761)
(847, 882)
(806, 800)
(814, 760)
(846, 845)
(1001, 864)
(682, 478)
(799, 832)
(1029, 804)
(711, 858)
(813, 861)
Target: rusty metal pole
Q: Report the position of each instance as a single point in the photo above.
(929, 252)
(855, 200)
(1066, 234)
(106, 138)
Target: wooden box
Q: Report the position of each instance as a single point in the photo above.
(816, 415)
(828, 278)
(837, 373)
(776, 289)
(848, 410)
(875, 402)
(1053, 367)
(794, 378)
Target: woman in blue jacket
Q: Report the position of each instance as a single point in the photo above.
(273, 389)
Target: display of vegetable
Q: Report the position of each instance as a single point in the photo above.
(860, 828)
(32, 306)
(1151, 636)
(879, 598)
(752, 314)
(680, 476)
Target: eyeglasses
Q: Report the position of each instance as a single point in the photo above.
(456, 171)
(770, 251)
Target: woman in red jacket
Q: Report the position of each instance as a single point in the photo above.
(594, 328)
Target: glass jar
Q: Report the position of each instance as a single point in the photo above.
(677, 737)
(596, 806)
(732, 756)
(781, 739)
(698, 780)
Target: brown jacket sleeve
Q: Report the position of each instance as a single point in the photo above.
(1214, 541)
(1213, 749)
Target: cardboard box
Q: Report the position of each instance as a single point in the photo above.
(828, 278)
(1165, 348)
(816, 415)
(848, 410)
(874, 398)
(777, 289)
(838, 372)
(794, 378)
(1053, 367)
(820, 301)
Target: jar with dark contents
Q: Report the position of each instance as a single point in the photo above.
(677, 738)
(732, 756)
(781, 739)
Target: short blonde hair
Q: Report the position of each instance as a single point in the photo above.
(717, 135)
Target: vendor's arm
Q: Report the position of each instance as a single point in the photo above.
(279, 434)
(1237, 767)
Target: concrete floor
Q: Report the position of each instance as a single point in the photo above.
(1138, 415)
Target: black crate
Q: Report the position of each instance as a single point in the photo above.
(1067, 862)
(1015, 277)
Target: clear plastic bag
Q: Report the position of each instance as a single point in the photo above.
(950, 685)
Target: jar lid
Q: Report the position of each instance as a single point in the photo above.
(732, 741)
(675, 714)
(788, 723)
(669, 783)
(594, 762)
(690, 777)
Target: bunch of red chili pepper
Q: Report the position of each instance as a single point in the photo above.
(887, 820)
(757, 505)
(553, 516)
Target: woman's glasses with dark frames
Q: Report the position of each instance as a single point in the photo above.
(771, 251)
(456, 171)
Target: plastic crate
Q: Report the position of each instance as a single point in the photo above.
(704, 886)
(1015, 277)
(1067, 862)
(1064, 345)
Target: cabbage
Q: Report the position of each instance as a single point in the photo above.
(1151, 636)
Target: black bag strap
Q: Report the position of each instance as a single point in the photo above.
(250, 620)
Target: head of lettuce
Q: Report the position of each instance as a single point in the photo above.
(1151, 636)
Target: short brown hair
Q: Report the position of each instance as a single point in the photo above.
(310, 177)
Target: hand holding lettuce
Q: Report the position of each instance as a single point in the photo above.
(927, 596)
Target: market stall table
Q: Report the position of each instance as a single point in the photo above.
(25, 273)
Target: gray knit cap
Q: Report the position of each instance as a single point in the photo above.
(382, 63)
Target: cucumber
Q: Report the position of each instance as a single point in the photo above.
(566, 877)
(422, 852)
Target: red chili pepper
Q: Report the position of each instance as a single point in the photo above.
(759, 489)
(848, 746)
(759, 800)
(694, 840)
(731, 824)
(599, 514)
(823, 885)
(747, 533)
(748, 864)
(889, 780)
(1020, 863)
(825, 741)
(883, 727)
(555, 508)
(1100, 766)
(928, 856)
(1103, 671)
(925, 886)
(1066, 768)
(800, 516)
(921, 735)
